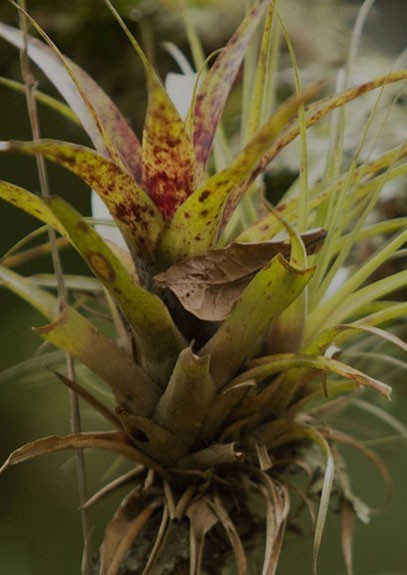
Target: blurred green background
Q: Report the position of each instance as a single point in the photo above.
(39, 520)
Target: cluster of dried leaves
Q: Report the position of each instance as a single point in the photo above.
(223, 351)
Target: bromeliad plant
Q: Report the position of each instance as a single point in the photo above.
(226, 361)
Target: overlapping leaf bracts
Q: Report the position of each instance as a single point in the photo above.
(216, 383)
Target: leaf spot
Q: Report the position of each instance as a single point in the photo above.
(102, 266)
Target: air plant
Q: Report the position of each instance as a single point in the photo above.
(225, 364)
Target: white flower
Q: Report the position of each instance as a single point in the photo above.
(180, 88)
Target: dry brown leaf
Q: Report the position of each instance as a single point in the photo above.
(112, 441)
(201, 519)
(122, 530)
(209, 285)
(347, 515)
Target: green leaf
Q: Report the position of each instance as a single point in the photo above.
(38, 298)
(271, 291)
(77, 336)
(345, 302)
(30, 203)
(134, 212)
(103, 122)
(197, 223)
(185, 402)
(321, 108)
(216, 85)
(342, 332)
(268, 226)
(269, 365)
(157, 337)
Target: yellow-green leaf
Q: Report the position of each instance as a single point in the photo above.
(133, 211)
(185, 402)
(157, 337)
(272, 364)
(271, 291)
(197, 223)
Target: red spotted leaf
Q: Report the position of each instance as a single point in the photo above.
(215, 87)
(133, 211)
(168, 156)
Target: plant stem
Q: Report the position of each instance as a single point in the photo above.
(75, 420)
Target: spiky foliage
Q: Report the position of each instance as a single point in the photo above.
(227, 356)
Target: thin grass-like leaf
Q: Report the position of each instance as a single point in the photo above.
(48, 101)
(268, 226)
(321, 108)
(380, 413)
(40, 299)
(331, 308)
(114, 485)
(342, 332)
(346, 439)
(89, 398)
(269, 365)
(356, 302)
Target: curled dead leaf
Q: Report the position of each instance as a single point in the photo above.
(210, 284)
